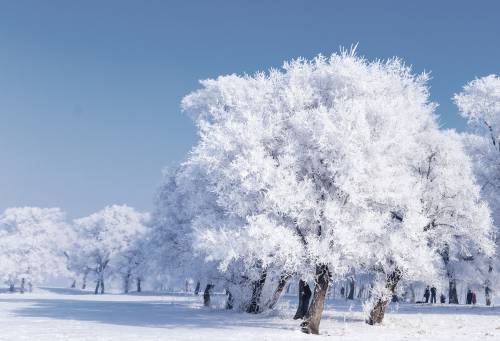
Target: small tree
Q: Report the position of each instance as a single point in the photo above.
(106, 235)
(32, 244)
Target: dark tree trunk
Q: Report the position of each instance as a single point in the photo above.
(102, 286)
(452, 292)
(96, 291)
(12, 288)
(230, 300)
(197, 288)
(304, 297)
(23, 281)
(487, 288)
(378, 311)
(84, 281)
(487, 295)
(279, 290)
(206, 295)
(126, 283)
(311, 324)
(73, 284)
(139, 289)
(350, 295)
(258, 285)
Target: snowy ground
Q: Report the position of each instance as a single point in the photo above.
(63, 314)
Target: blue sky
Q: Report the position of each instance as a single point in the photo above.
(90, 90)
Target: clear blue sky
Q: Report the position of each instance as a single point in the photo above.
(90, 90)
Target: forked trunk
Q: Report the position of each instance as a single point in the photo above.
(452, 292)
(304, 297)
(311, 324)
(258, 285)
(279, 290)
(377, 313)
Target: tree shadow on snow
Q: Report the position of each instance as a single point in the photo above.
(157, 314)
(174, 312)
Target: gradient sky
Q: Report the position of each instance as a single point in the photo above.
(90, 90)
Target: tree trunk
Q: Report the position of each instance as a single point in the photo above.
(311, 324)
(304, 297)
(350, 295)
(412, 293)
(102, 286)
(206, 295)
(258, 285)
(230, 300)
(279, 290)
(487, 295)
(139, 289)
(378, 311)
(73, 284)
(84, 281)
(22, 285)
(452, 292)
(96, 291)
(197, 288)
(126, 283)
(12, 288)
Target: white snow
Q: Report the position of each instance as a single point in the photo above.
(64, 314)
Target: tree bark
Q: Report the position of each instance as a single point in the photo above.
(311, 324)
(12, 288)
(254, 307)
(279, 290)
(22, 286)
(304, 297)
(102, 286)
(378, 311)
(452, 292)
(487, 295)
(350, 295)
(73, 284)
(96, 291)
(126, 283)
(84, 281)
(139, 288)
(197, 288)
(206, 295)
(230, 300)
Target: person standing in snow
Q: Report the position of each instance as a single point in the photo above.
(433, 295)
(468, 298)
(426, 294)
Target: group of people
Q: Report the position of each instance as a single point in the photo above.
(431, 293)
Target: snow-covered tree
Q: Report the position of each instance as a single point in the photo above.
(32, 245)
(107, 235)
(313, 168)
(479, 103)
